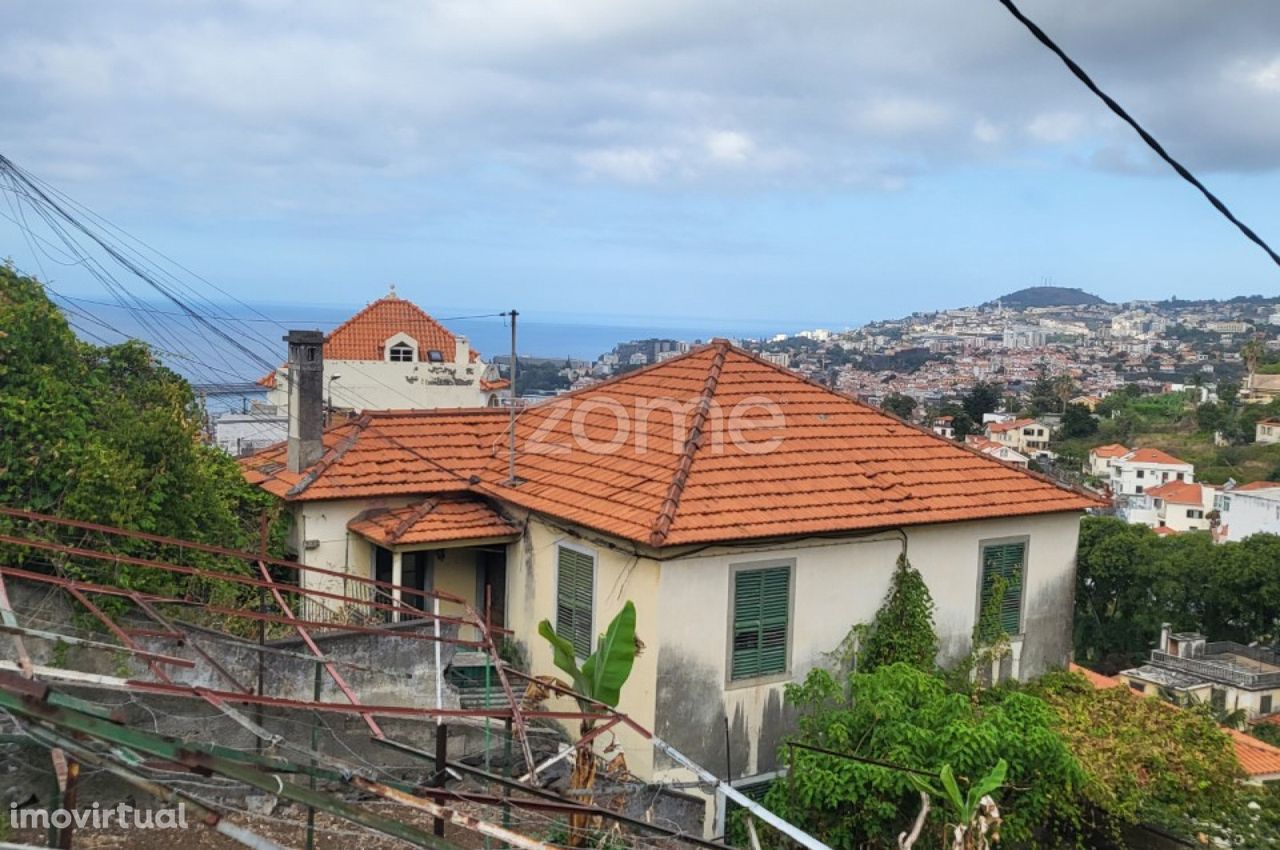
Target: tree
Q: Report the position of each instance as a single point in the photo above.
(902, 629)
(901, 406)
(1228, 391)
(908, 718)
(1210, 417)
(599, 679)
(108, 434)
(1078, 422)
(981, 399)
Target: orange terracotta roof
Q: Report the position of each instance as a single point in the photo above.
(1258, 758)
(714, 445)
(1110, 450)
(1098, 680)
(363, 335)
(1001, 427)
(268, 380)
(1269, 719)
(1256, 485)
(434, 520)
(1164, 531)
(1154, 456)
(1179, 492)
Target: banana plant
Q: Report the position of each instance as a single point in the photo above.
(977, 818)
(598, 680)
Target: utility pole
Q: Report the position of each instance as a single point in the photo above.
(511, 447)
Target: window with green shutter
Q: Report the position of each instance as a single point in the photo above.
(1005, 561)
(575, 593)
(761, 608)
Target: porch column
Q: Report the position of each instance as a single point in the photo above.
(397, 579)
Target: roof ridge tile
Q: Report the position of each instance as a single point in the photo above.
(671, 504)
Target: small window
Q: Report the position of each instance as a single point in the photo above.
(1005, 561)
(1138, 686)
(575, 598)
(1194, 514)
(1264, 705)
(401, 352)
(761, 613)
(435, 355)
(1141, 474)
(1218, 699)
(1138, 489)
(1179, 476)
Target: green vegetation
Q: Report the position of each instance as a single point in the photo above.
(901, 406)
(540, 376)
(1175, 423)
(1047, 296)
(1130, 580)
(902, 629)
(109, 435)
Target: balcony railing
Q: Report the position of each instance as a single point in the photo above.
(1217, 671)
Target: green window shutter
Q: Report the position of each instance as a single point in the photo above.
(1004, 561)
(575, 597)
(761, 607)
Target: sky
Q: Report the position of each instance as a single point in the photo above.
(815, 163)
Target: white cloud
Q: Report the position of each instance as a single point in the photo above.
(986, 132)
(728, 146)
(630, 165)
(1056, 127)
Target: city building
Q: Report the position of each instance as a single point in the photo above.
(393, 356)
(1101, 458)
(1226, 675)
(1248, 509)
(1134, 473)
(1025, 436)
(1177, 506)
(1267, 430)
(945, 426)
(997, 450)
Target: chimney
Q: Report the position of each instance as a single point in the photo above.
(306, 398)
(1165, 628)
(463, 347)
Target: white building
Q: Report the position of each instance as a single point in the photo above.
(993, 449)
(393, 356)
(1247, 510)
(1101, 458)
(1267, 430)
(1226, 675)
(1141, 469)
(240, 434)
(1177, 506)
(1025, 436)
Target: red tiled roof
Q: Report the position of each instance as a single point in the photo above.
(1110, 450)
(1098, 680)
(1269, 719)
(1164, 531)
(711, 465)
(1258, 758)
(434, 520)
(1001, 427)
(363, 335)
(268, 380)
(1256, 485)
(1179, 492)
(1154, 456)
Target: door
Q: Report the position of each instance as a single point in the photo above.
(491, 572)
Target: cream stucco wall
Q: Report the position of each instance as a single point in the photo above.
(679, 687)
(619, 576)
(837, 584)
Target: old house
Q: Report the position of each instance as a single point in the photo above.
(752, 516)
(393, 356)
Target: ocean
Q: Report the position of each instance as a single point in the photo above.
(239, 343)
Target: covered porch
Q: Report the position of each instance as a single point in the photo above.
(456, 545)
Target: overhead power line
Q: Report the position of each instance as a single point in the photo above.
(1151, 141)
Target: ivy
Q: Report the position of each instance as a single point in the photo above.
(903, 628)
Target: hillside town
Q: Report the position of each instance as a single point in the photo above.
(579, 426)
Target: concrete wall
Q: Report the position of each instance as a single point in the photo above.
(383, 385)
(1250, 513)
(1125, 480)
(835, 586)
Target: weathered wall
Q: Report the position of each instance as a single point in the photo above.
(837, 585)
(620, 576)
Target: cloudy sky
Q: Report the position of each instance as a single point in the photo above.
(804, 161)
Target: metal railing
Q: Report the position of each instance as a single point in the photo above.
(1216, 671)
